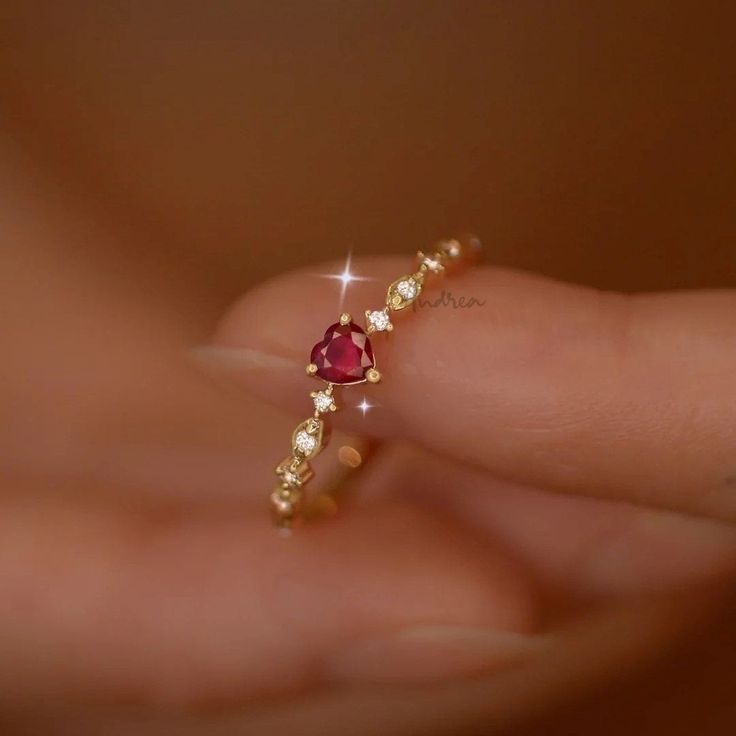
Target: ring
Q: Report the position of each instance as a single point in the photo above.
(344, 357)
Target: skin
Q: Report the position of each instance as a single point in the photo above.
(560, 489)
(547, 511)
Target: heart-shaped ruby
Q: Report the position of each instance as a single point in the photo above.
(345, 354)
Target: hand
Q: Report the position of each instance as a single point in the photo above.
(551, 499)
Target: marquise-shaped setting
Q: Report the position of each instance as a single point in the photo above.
(404, 291)
(308, 438)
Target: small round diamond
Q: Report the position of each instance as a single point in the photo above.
(322, 401)
(433, 264)
(379, 320)
(304, 442)
(407, 288)
(290, 479)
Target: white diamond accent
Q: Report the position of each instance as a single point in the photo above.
(322, 401)
(407, 289)
(379, 320)
(304, 442)
(290, 479)
(434, 265)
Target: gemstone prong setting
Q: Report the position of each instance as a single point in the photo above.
(377, 320)
(323, 401)
(345, 357)
(404, 291)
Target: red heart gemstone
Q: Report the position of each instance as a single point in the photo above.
(345, 354)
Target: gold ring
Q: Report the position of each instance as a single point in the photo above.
(344, 357)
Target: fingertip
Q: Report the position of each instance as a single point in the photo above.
(548, 384)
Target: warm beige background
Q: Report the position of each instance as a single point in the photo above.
(593, 141)
(589, 140)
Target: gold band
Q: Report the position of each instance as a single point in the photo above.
(345, 338)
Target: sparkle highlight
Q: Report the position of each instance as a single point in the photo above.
(345, 277)
(365, 406)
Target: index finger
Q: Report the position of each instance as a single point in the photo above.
(563, 387)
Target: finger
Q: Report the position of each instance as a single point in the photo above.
(97, 397)
(576, 661)
(194, 610)
(556, 386)
(579, 549)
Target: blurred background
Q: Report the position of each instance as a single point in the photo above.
(590, 141)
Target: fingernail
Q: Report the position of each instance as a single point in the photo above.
(432, 653)
(225, 360)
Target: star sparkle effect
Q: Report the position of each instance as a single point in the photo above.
(345, 277)
(365, 406)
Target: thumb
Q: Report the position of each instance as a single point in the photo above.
(563, 387)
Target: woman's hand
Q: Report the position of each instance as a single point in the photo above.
(550, 499)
